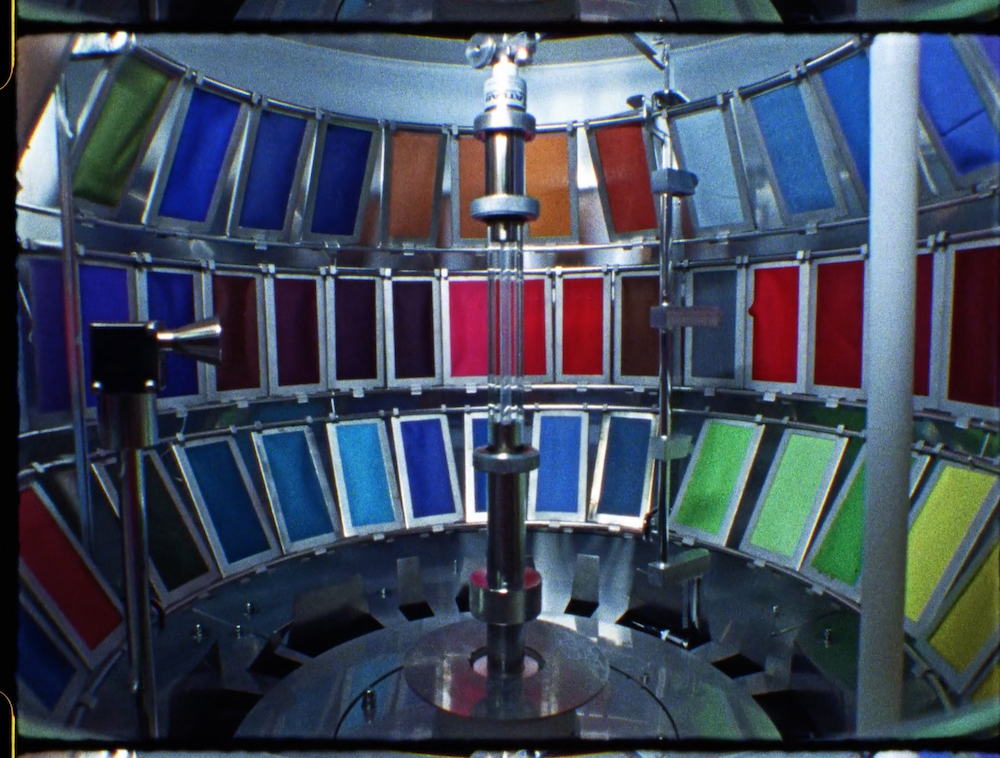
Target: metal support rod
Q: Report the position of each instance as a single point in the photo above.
(666, 360)
(71, 319)
(889, 303)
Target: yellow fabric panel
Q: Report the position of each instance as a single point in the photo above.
(989, 688)
(974, 618)
(939, 529)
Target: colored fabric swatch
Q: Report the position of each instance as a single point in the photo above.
(40, 664)
(201, 148)
(341, 179)
(625, 170)
(558, 477)
(839, 557)
(991, 46)
(48, 336)
(170, 297)
(227, 501)
(235, 301)
(974, 618)
(296, 483)
(800, 475)
(846, 85)
(974, 362)
(954, 107)
(546, 178)
(922, 328)
(715, 477)
(583, 326)
(366, 478)
(413, 329)
(938, 530)
(355, 306)
(272, 170)
(427, 473)
(480, 438)
(122, 126)
(989, 687)
(840, 309)
(626, 464)
(791, 145)
(713, 351)
(58, 565)
(172, 549)
(775, 313)
(533, 347)
(471, 184)
(640, 343)
(411, 183)
(103, 299)
(704, 146)
(468, 330)
(297, 329)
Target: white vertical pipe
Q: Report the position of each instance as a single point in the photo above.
(889, 310)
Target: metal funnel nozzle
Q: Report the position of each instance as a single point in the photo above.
(201, 340)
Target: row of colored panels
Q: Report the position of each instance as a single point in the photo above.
(278, 151)
(955, 616)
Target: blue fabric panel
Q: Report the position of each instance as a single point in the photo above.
(792, 146)
(297, 483)
(427, 468)
(103, 298)
(201, 148)
(227, 500)
(40, 665)
(847, 85)
(991, 45)
(48, 336)
(480, 438)
(951, 102)
(713, 351)
(625, 466)
(170, 297)
(365, 475)
(341, 175)
(705, 147)
(272, 170)
(559, 464)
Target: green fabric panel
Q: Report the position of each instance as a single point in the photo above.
(793, 492)
(123, 124)
(840, 555)
(714, 477)
(171, 548)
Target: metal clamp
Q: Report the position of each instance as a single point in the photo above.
(505, 607)
(519, 461)
(520, 207)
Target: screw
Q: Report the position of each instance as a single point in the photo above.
(382, 592)
(774, 610)
(197, 634)
(239, 631)
(368, 704)
(827, 633)
(249, 609)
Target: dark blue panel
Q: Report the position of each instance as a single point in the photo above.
(847, 85)
(103, 298)
(40, 665)
(480, 438)
(427, 468)
(991, 45)
(559, 464)
(792, 146)
(171, 302)
(625, 466)
(973, 144)
(713, 351)
(208, 127)
(272, 170)
(227, 500)
(298, 488)
(48, 336)
(341, 175)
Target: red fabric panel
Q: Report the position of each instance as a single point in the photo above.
(58, 566)
(534, 327)
(840, 310)
(297, 331)
(626, 177)
(583, 326)
(235, 302)
(974, 364)
(468, 329)
(922, 337)
(775, 313)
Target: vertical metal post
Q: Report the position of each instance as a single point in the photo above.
(666, 361)
(889, 305)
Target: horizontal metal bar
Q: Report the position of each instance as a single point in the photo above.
(839, 53)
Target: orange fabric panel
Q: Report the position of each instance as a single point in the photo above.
(471, 184)
(411, 187)
(546, 170)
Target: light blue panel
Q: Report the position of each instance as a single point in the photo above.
(625, 466)
(297, 484)
(366, 479)
(427, 468)
(705, 147)
(559, 464)
(480, 438)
